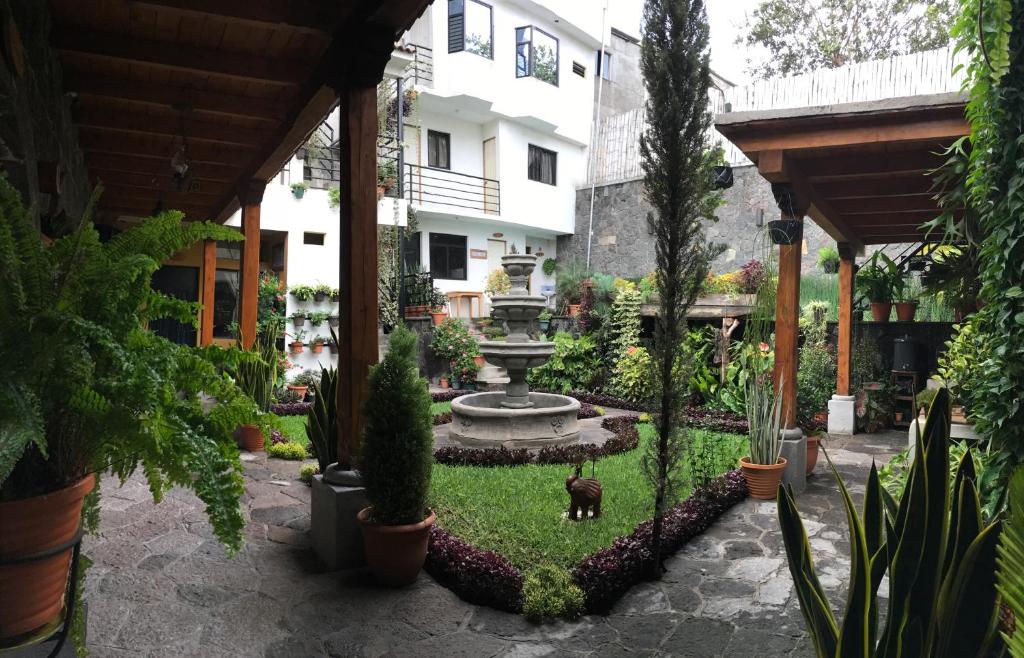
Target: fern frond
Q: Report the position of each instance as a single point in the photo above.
(21, 426)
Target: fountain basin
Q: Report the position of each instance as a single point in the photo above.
(480, 421)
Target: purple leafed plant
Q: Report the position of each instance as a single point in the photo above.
(447, 395)
(480, 577)
(291, 408)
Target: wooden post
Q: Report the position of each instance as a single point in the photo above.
(845, 340)
(787, 317)
(209, 288)
(250, 197)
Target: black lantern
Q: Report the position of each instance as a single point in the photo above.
(785, 231)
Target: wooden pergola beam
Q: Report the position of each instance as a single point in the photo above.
(832, 168)
(913, 218)
(177, 56)
(297, 15)
(907, 203)
(873, 189)
(158, 146)
(175, 96)
(157, 181)
(195, 131)
(152, 165)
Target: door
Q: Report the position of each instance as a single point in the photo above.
(181, 283)
(491, 190)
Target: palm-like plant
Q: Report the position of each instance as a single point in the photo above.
(1010, 561)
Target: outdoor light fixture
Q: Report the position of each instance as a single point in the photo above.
(723, 177)
(181, 165)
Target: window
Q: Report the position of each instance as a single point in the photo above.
(313, 238)
(543, 165)
(470, 27)
(439, 148)
(225, 303)
(411, 252)
(448, 256)
(579, 69)
(536, 54)
(604, 65)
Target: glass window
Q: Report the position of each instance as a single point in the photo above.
(604, 65)
(448, 256)
(470, 27)
(225, 303)
(411, 252)
(543, 165)
(536, 54)
(439, 146)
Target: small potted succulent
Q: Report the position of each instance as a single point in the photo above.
(322, 291)
(544, 321)
(299, 190)
(763, 468)
(317, 344)
(396, 461)
(302, 292)
(296, 345)
(298, 319)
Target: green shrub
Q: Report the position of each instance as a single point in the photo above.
(452, 341)
(549, 266)
(574, 365)
(631, 379)
(816, 376)
(307, 472)
(287, 450)
(959, 367)
(624, 330)
(398, 442)
(828, 259)
(549, 592)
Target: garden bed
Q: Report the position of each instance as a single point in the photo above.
(497, 523)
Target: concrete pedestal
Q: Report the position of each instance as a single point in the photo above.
(957, 432)
(334, 530)
(842, 415)
(794, 450)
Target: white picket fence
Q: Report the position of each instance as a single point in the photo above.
(616, 151)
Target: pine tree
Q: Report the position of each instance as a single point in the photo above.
(677, 161)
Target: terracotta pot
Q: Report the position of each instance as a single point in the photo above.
(416, 310)
(301, 390)
(812, 453)
(880, 311)
(479, 360)
(296, 347)
(250, 438)
(317, 348)
(899, 416)
(905, 311)
(574, 310)
(443, 382)
(30, 526)
(395, 553)
(380, 192)
(762, 481)
(438, 318)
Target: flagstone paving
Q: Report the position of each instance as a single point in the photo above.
(161, 585)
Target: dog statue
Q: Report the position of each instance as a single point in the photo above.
(584, 495)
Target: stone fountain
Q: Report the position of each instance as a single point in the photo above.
(515, 418)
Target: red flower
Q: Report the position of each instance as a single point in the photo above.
(764, 347)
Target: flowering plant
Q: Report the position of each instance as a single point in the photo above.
(452, 340)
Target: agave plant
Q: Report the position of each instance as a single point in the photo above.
(764, 414)
(322, 424)
(1010, 561)
(937, 551)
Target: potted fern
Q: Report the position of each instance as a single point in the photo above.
(763, 468)
(322, 291)
(89, 391)
(299, 190)
(298, 319)
(396, 461)
(302, 292)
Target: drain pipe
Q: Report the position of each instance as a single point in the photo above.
(593, 132)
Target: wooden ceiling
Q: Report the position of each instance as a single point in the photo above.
(862, 169)
(240, 82)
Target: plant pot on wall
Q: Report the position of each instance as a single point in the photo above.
(29, 527)
(762, 480)
(880, 311)
(785, 231)
(333, 321)
(250, 438)
(905, 311)
(395, 553)
(296, 347)
(317, 348)
(299, 321)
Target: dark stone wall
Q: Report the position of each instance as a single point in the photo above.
(35, 117)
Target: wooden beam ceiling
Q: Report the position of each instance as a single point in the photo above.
(298, 15)
(172, 126)
(93, 141)
(157, 166)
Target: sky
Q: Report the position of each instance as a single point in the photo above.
(726, 18)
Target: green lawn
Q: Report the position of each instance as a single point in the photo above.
(293, 427)
(518, 511)
(439, 407)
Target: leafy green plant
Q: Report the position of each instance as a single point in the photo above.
(398, 442)
(87, 389)
(257, 376)
(961, 365)
(322, 420)
(333, 197)
(816, 375)
(828, 260)
(498, 283)
(550, 593)
(318, 317)
(452, 341)
(631, 378)
(307, 472)
(879, 280)
(624, 323)
(1010, 565)
(302, 292)
(549, 266)
(937, 551)
(544, 315)
(322, 290)
(299, 188)
(574, 365)
(288, 450)
(569, 280)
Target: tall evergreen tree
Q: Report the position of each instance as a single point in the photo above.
(677, 161)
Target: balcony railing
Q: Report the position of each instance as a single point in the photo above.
(421, 71)
(442, 187)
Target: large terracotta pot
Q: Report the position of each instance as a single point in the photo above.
(880, 311)
(33, 592)
(296, 347)
(905, 311)
(574, 310)
(250, 438)
(812, 453)
(438, 317)
(299, 390)
(395, 553)
(479, 360)
(762, 481)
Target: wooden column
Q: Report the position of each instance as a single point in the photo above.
(358, 62)
(250, 197)
(845, 351)
(209, 288)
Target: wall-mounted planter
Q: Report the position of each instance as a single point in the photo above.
(298, 192)
(296, 347)
(317, 348)
(299, 322)
(333, 321)
(320, 297)
(785, 231)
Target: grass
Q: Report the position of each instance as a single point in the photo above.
(440, 408)
(293, 427)
(518, 511)
(825, 287)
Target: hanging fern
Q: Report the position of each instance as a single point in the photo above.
(87, 389)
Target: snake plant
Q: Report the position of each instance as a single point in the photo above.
(937, 551)
(1010, 561)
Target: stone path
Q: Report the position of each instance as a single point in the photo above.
(161, 585)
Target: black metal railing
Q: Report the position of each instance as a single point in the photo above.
(443, 187)
(421, 71)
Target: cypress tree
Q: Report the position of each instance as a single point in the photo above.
(677, 161)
